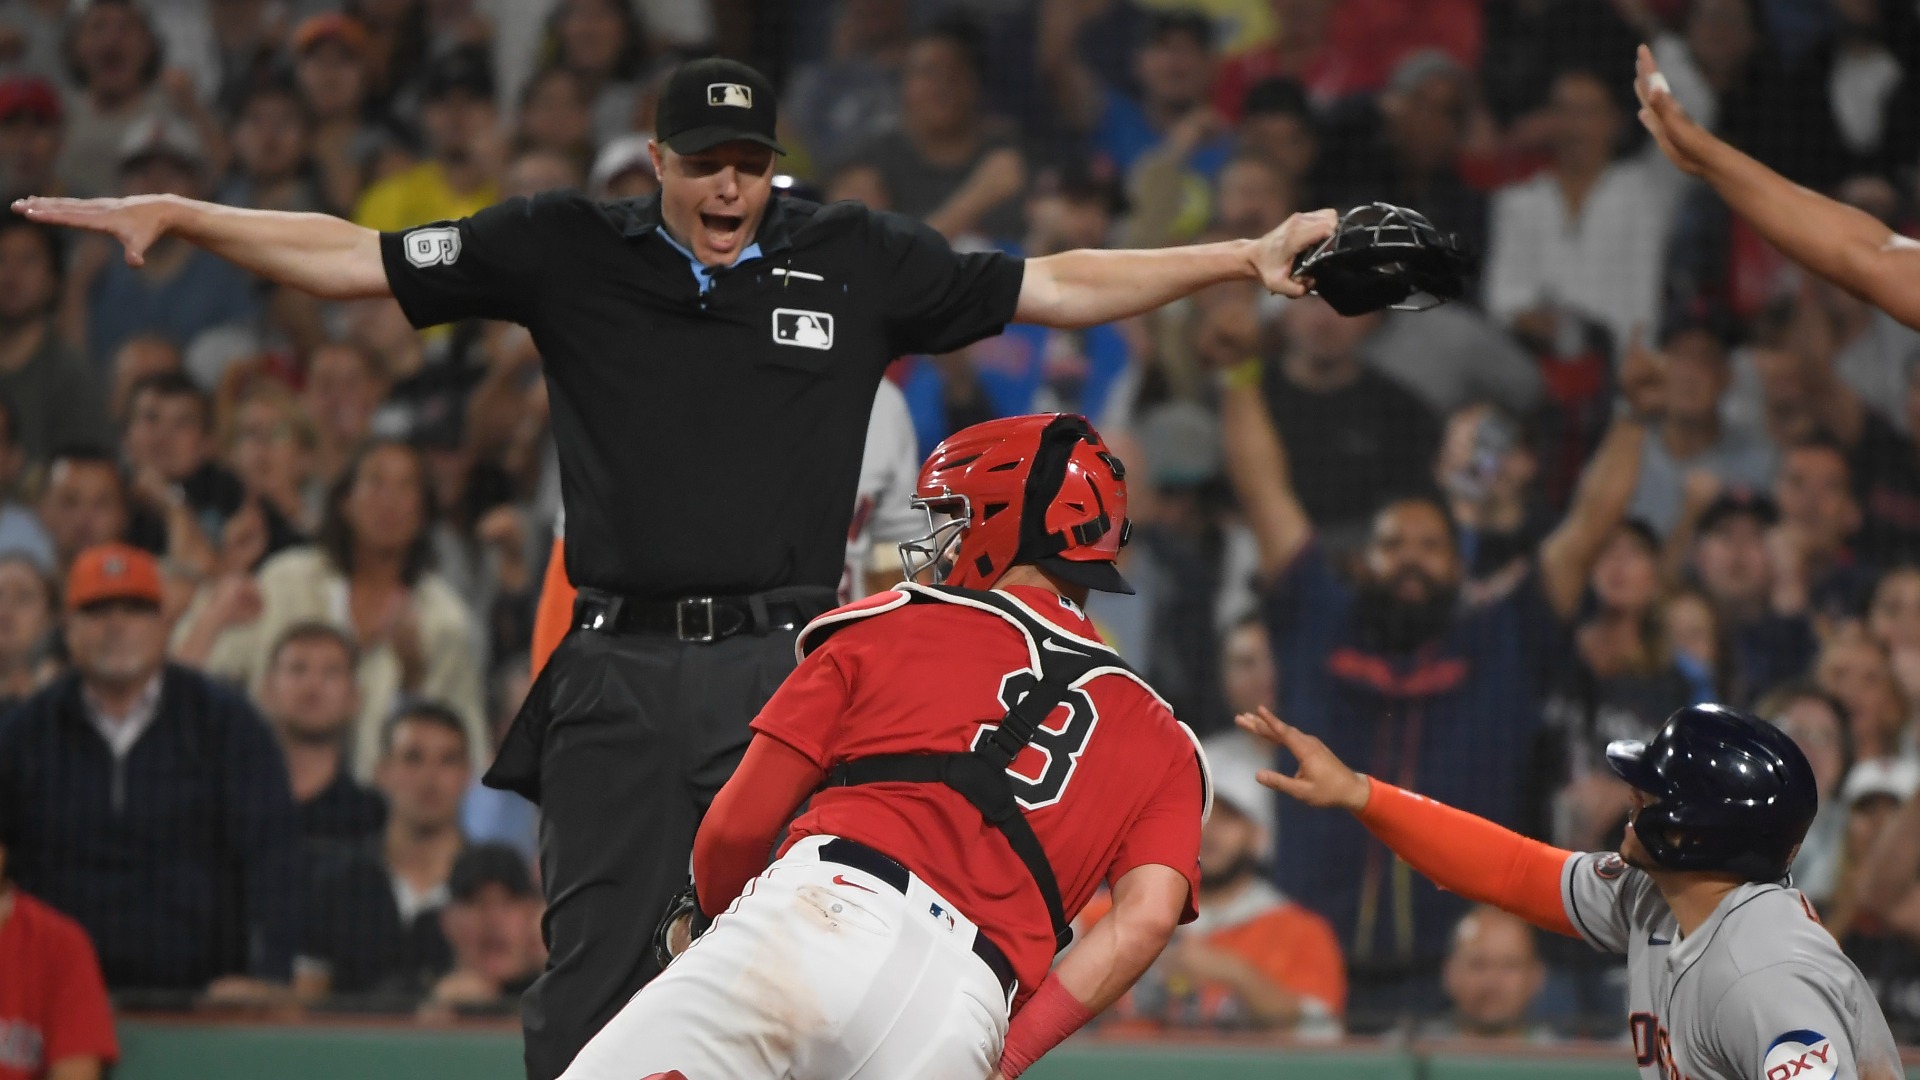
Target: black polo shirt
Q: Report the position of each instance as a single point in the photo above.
(708, 443)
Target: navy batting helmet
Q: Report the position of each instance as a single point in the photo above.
(1732, 793)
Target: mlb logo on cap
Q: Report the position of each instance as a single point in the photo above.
(733, 95)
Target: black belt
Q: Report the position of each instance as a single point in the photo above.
(701, 619)
(861, 857)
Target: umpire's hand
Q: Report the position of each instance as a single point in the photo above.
(1322, 780)
(1275, 253)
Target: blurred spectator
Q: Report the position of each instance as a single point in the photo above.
(1726, 551)
(1619, 681)
(178, 289)
(1174, 66)
(132, 777)
(948, 165)
(1885, 464)
(1253, 196)
(1588, 235)
(554, 116)
(1530, 42)
(140, 358)
(1277, 123)
(1818, 518)
(538, 169)
(1389, 669)
(27, 623)
(309, 700)
(169, 449)
(368, 575)
(1878, 917)
(1691, 437)
(272, 135)
(489, 814)
(1404, 149)
(375, 928)
(1818, 724)
(602, 43)
(54, 398)
(1452, 355)
(114, 61)
(245, 45)
(1343, 48)
(1893, 618)
(269, 444)
(623, 169)
(344, 387)
(30, 136)
(1492, 977)
(32, 31)
(330, 68)
(1699, 642)
(1854, 668)
(836, 104)
(458, 123)
(1351, 432)
(492, 925)
(1486, 472)
(83, 502)
(1254, 959)
(55, 1020)
(1029, 369)
(1233, 755)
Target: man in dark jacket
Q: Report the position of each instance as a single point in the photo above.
(149, 803)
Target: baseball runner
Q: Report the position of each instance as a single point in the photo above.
(1730, 974)
(1848, 247)
(977, 762)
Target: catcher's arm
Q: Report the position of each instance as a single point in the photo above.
(1457, 851)
(1147, 903)
(315, 253)
(1846, 246)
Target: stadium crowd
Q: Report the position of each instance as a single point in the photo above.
(269, 565)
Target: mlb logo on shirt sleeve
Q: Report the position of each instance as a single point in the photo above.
(1801, 1055)
(806, 329)
(732, 95)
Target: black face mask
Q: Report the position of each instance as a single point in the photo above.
(1389, 624)
(1239, 869)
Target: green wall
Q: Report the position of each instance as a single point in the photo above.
(166, 1050)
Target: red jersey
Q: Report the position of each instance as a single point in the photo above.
(53, 1003)
(1112, 781)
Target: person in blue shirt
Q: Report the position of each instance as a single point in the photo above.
(1396, 672)
(1174, 64)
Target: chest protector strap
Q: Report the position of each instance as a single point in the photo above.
(980, 774)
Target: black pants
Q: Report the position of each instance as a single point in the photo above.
(625, 740)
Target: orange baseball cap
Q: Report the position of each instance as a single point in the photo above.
(113, 572)
(331, 26)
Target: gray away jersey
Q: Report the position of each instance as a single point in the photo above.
(1760, 991)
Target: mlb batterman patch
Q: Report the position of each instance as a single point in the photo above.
(1801, 1055)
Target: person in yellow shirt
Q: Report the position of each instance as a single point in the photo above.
(460, 125)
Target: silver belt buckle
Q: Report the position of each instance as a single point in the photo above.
(699, 604)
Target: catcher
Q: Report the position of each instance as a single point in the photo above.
(966, 801)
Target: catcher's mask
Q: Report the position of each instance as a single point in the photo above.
(1382, 256)
(1026, 489)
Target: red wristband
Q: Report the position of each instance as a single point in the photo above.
(1052, 1014)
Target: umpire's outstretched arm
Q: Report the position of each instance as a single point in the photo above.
(338, 260)
(327, 256)
(1846, 246)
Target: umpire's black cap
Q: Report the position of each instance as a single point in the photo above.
(713, 101)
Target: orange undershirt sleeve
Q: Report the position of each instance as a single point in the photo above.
(1471, 856)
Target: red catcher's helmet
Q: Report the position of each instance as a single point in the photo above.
(1027, 489)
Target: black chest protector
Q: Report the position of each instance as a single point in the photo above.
(980, 774)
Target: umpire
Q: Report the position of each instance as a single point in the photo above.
(711, 354)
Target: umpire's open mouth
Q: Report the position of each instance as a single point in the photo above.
(723, 230)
